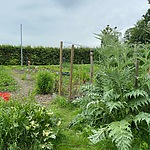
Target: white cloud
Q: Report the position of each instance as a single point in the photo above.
(46, 22)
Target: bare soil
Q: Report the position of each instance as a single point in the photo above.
(26, 88)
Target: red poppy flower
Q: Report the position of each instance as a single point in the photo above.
(5, 95)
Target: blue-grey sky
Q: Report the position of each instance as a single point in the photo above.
(47, 22)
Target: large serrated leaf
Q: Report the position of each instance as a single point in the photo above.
(142, 116)
(121, 134)
(135, 94)
(97, 135)
(115, 105)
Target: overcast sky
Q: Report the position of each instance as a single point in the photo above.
(47, 22)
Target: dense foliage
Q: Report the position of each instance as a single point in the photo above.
(27, 125)
(117, 106)
(44, 82)
(41, 55)
(140, 33)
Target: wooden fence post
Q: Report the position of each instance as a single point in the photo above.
(60, 72)
(91, 67)
(71, 71)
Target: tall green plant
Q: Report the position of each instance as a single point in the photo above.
(44, 83)
(108, 36)
(113, 106)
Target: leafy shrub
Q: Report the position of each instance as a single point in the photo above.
(44, 83)
(27, 125)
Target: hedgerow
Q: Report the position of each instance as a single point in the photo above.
(41, 55)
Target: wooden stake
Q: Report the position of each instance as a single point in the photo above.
(21, 45)
(136, 68)
(136, 73)
(60, 72)
(71, 71)
(91, 67)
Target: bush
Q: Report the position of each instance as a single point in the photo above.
(27, 125)
(45, 81)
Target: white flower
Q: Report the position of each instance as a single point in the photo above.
(46, 132)
(59, 122)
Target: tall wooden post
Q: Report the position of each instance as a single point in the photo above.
(60, 72)
(136, 67)
(21, 45)
(91, 67)
(71, 71)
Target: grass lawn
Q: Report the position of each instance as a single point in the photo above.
(70, 139)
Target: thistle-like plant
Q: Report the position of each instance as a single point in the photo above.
(118, 107)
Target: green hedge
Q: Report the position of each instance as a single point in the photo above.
(10, 55)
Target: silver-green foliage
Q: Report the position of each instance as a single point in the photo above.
(114, 107)
(119, 132)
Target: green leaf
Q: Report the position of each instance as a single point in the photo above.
(121, 134)
(115, 105)
(135, 94)
(97, 135)
(142, 116)
(139, 102)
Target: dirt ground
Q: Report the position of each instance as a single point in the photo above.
(26, 88)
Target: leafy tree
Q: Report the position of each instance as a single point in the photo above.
(140, 33)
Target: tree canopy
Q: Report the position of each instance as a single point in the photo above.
(140, 33)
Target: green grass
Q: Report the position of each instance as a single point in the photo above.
(70, 138)
(7, 83)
